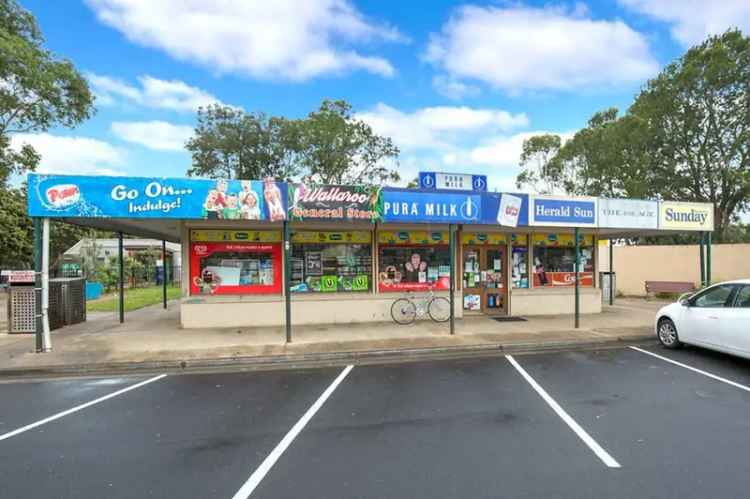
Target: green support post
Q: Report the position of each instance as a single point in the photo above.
(121, 263)
(452, 245)
(164, 272)
(577, 283)
(287, 286)
(611, 273)
(38, 283)
(708, 259)
(703, 260)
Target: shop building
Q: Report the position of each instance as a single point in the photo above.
(349, 251)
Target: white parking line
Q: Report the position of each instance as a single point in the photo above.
(78, 408)
(258, 475)
(699, 371)
(597, 449)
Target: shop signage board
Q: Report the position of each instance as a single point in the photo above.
(483, 238)
(628, 214)
(418, 237)
(686, 216)
(152, 197)
(349, 237)
(553, 239)
(348, 203)
(19, 276)
(508, 210)
(256, 236)
(404, 205)
(452, 181)
(563, 212)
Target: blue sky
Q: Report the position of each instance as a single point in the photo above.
(458, 86)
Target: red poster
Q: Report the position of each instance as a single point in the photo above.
(562, 279)
(442, 284)
(228, 268)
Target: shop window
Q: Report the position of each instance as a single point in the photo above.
(554, 261)
(413, 268)
(235, 268)
(519, 261)
(331, 267)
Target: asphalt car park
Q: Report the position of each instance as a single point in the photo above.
(606, 423)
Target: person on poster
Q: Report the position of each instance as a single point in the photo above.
(272, 195)
(232, 210)
(413, 267)
(221, 193)
(211, 209)
(249, 202)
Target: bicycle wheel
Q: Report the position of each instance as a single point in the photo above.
(439, 309)
(403, 311)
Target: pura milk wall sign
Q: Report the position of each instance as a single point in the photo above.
(686, 216)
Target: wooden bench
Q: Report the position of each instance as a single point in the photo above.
(654, 287)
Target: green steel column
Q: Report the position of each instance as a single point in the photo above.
(164, 272)
(708, 259)
(703, 260)
(38, 283)
(578, 287)
(287, 286)
(452, 246)
(121, 263)
(611, 272)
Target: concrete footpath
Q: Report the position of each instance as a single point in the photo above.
(151, 339)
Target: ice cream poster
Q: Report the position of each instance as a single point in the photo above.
(152, 197)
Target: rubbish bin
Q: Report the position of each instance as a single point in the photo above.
(67, 301)
(21, 302)
(608, 280)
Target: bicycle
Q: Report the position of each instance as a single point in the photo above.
(405, 310)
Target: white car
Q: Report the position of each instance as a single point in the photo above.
(717, 317)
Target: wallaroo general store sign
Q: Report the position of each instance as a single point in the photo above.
(333, 202)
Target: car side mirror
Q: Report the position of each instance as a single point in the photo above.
(685, 302)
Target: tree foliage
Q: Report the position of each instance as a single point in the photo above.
(230, 143)
(337, 148)
(329, 146)
(686, 136)
(38, 90)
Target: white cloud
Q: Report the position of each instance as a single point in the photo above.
(695, 20)
(438, 127)
(72, 155)
(453, 89)
(152, 92)
(158, 135)
(285, 39)
(520, 48)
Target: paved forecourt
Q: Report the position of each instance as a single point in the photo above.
(611, 423)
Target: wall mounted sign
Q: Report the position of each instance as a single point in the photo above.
(256, 236)
(452, 181)
(420, 237)
(351, 237)
(567, 212)
(151, 197)
(432, 207)
(334, 202)
(553, 239)
(482, 238)
(686, 216)
(628, 214)
(510, 210)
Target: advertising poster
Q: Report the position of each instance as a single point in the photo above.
(558, 211)
(628, 214)
(408, 205)
(562, 279)
(686, 216)
(334, 202)
(413, 237)
(151, 197)
(510, 210)
(218, 268)
(415, 269)
(255, 236)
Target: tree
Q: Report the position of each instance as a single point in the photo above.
(536, 161)
(336, 148)
(16, 247)
(230, 143)
(38, 90)
(686, 136)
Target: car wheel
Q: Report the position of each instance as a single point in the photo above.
(667, 334)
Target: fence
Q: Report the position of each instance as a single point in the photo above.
(135, 277)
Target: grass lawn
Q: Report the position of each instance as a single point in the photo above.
(135, 298)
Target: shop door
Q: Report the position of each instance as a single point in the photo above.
(484, 279)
